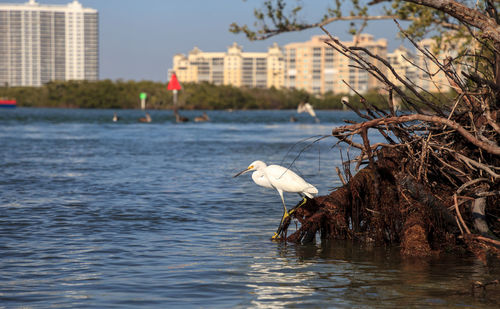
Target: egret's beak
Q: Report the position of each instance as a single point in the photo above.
(242, 172)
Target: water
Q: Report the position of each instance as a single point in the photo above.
(115, 215)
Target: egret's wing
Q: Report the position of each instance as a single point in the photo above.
(260, 179)
(285, 179)
(301, 108)
(308, 107)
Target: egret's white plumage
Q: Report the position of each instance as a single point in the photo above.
(280, 178)
(306, 107)
(344, 100)
(260, 179)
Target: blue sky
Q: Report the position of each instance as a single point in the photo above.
(138, 38)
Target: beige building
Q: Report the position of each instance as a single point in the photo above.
(430, 77)
(234, 67)
(399, 61)
(317, 68)
(312, 66)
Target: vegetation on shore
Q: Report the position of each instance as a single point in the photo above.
(125, 95)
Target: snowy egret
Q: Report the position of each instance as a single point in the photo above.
(396, 104)
(344, 100)
(115, 117)
(283, 180)
(307, 107)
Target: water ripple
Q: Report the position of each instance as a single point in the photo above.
(97, 214)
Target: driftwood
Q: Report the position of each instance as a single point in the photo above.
(434, 184)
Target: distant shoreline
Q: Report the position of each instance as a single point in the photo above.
(107, 94)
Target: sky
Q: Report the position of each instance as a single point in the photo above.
(138, 38)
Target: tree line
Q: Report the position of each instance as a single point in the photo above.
(121, 94)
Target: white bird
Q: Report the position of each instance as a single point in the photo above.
(283, 180)
(344, 100)
(396, 104)
(307, 107)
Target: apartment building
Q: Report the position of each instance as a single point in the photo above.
(313, 66)
(233, 67)
(40, 43)
(317, 68)
(430, 77)
(401, 61)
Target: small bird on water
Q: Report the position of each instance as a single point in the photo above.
(283, 180)
(203, 118)
(146, 118)
(179, 118)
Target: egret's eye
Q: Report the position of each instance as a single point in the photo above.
(250, 167)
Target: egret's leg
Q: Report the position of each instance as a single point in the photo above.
(285, 214)
(304, 200)
(280, 227)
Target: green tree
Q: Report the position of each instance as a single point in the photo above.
(125, 94)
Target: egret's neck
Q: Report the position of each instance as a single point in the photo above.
(260, 168)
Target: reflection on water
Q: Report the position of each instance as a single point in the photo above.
(347, 274)
(100, 214)
(279, 282)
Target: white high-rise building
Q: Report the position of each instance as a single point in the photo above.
(40, 43)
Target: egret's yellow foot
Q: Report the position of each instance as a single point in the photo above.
(275, 235)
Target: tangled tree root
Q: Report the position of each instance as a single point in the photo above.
(385, 206)
(432, 182)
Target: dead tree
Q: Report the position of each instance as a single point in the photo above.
(435, 183)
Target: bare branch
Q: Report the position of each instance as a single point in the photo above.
(465, 14)
(356, 128)
(460, 11)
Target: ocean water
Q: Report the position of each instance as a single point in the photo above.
(96, 214)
